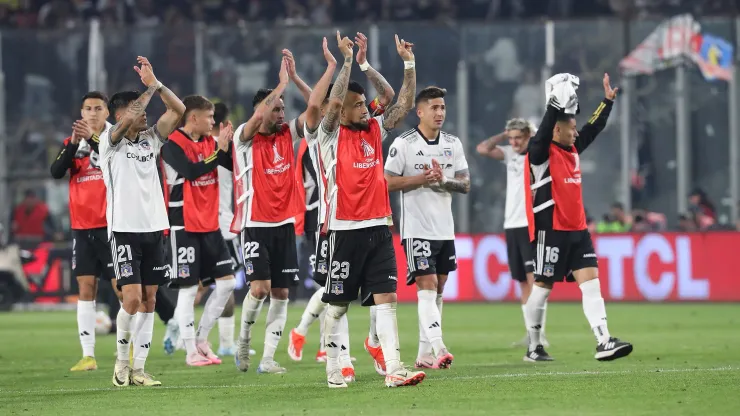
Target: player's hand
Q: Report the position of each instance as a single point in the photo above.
(361, 42)
(404, 49)
(345, 46)
(290, 63)
(81, 130)
(608, 91)
(327, 54)
(145, 71)
(284, 75)
(437, 169)
(226, 136)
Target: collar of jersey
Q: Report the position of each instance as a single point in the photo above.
(435, 141)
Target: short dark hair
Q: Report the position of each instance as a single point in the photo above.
(220, 113)
(195, 102)
(355, 87)
(121, 100)
(618, 205)
(563, 116)
(261, 94)
(94, 95)
(430, 93)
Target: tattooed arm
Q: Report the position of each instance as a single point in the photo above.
(384, 90)
(135, 110)
(398, 111)
(330, 123)
(460, 184)
(171, 118)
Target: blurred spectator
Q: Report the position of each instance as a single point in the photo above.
(702, 209)
(686, 223)
(31, 220)
(614, 222)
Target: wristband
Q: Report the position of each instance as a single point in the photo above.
(159, 85)
(364, 66)
(409, 64)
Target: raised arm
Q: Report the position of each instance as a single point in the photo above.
(313, 112)
(302, 86)
(382, 87)
(539, 145)
(330, 123)
(65, 158)
(489, 147)
(597, 121)
(405, 102)
(175, 108)
(253, 125)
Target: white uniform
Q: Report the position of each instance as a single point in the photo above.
(327, 150)
(225, 200)
(313, 151)
(516, 210)
(426, 213)
(134, 191)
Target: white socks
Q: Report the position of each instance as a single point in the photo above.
(524, 313)
(430, 318)
(226, 332)
(333, 336)
(425, 348)
(277, 314)
(251, 308)
(185, 315)
(535, 310)
(312, 312)
(86, 326)
(373, 338)
(344, 359)
(124, 328)
(594, 309)
(214, 307)
(322, 315)
(143, 341)
(388, 334)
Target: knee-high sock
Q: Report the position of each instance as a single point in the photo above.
(430, 318)
(333, 336)
(388, 334)
(214, 307)
(277, 314)
(312, 312)
(594, 309)
(226, 331)
(535, 310)
(322, 316)
(185, 313)
(124, 324)
(374, 339)
(251, 308)
(143, 340)
(86, 326)
(164, 307)
(344, 358)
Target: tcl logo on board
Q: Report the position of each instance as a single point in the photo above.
(632, 267)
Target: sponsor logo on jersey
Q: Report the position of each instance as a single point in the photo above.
(393, 152)
(249, 268)
(393, 278)
(145, 144)
(276, 158)
(572, 180)
(448, 152)
(367, 149)
(419, 153)
(126, 270)
(337, 288)
(183, 271)
(224, 262)
(143, 159)
(589, 255)
(422, 263)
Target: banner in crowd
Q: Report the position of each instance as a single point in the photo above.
(632, 267)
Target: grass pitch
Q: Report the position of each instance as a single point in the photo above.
(686, 361)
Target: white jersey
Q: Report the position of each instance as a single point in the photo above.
(134, 190)
(245, 170)
(426, 213)
(225, 199)
(516, 210)
(327, 144)
(313, 151)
